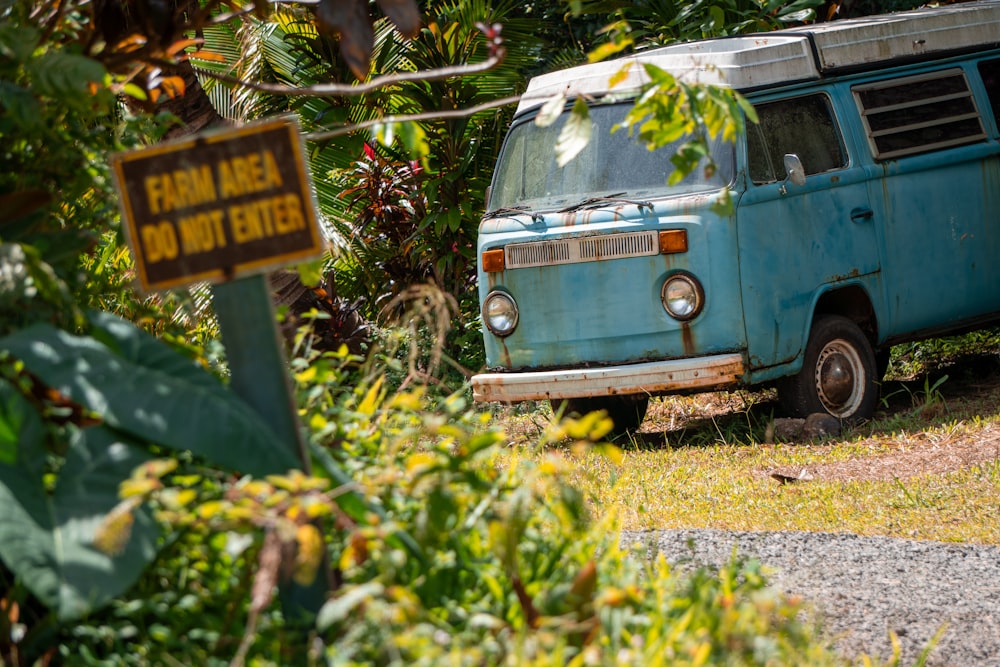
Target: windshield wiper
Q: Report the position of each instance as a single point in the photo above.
(505, 210)
(596, 202)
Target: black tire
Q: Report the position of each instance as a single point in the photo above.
(838, 376)
(882, 363)
(627, 412)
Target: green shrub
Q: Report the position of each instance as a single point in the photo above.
(471, 553)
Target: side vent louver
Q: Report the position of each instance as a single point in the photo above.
(917, 114)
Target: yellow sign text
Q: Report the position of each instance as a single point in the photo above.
(248, 174)
(181, 188)
(266, 217)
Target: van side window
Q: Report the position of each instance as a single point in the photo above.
(804, 126)
(917, 114)
(989, 70)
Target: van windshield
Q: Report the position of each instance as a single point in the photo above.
(610, 165)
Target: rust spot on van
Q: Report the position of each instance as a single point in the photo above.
(504, 353)
(688, 339)
(854, 273)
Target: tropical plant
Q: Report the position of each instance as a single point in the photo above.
(426, 232)
(402, 199)
(55, 192)
(660, 22)
(70, 437)
(85, 396)
(474, 553)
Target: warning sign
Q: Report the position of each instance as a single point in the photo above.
(220, 205)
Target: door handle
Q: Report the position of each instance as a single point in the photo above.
(862, 214)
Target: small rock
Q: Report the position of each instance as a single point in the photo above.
(820, 424)
(787, 429)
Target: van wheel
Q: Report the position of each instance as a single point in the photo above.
(627, 412)
(838, 373)
(882, 364)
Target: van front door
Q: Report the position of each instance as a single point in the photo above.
(796, 238)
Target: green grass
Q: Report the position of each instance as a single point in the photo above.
(727, 487)
(702, 461)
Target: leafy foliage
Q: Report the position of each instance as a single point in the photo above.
(104, 398)
(50, 144)
(146, 390)
(428, 212)
(661, 22)
(474, 553)
(49, 537)
(670, 109)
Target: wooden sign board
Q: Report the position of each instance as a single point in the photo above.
(217, 206)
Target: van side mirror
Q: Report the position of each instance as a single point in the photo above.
(794, 170)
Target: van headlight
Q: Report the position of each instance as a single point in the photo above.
(500, 313)
(682, 296)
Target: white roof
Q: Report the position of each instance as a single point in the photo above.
(787, 56)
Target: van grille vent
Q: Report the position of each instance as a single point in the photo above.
(586, 249)
(917, 114)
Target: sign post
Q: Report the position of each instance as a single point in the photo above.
(226, 207)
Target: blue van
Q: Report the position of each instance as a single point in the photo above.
(866, 212)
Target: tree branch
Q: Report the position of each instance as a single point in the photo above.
(346, 89)
(429, 115)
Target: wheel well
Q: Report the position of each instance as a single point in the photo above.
(853, 303)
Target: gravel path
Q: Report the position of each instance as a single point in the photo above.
(863, 587)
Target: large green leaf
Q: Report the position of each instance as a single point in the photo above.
(17, 42)
(140, 386)
(137, 347)
(47, 535)
(66, 77)
(18, 421)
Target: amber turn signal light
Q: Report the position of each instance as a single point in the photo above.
(673, 240)
(492, 261)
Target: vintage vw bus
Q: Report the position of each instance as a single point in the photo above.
(866, 213)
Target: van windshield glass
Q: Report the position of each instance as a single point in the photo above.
(611, 164)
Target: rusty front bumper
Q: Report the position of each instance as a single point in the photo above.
(657, 377)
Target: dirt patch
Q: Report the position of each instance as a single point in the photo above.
(913, 456)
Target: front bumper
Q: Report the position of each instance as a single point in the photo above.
(655, 377)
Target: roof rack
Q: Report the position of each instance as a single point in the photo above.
(806, 53)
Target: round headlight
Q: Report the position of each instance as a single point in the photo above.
(500, 313)
(682, 296)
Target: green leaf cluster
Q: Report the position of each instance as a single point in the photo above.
(671, 109)
(79, 413)
(467, 551)
(661, 22)
(473, 552)
(61, 247)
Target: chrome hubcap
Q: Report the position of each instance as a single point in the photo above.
(840, 378)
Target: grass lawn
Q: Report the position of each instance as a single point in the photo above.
(928, 466)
